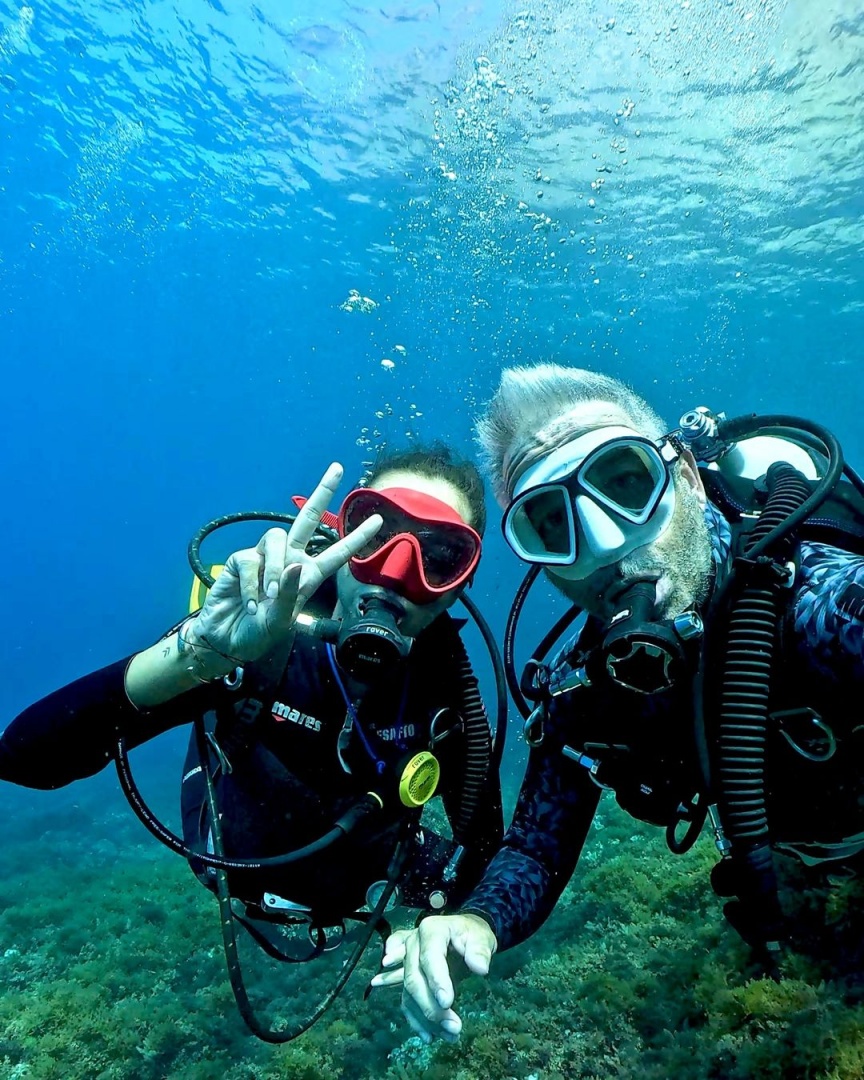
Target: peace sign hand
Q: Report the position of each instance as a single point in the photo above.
(255, 600)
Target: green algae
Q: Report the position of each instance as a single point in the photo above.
(112, 969)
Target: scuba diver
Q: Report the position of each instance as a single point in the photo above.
(718, 575)
(331, 697)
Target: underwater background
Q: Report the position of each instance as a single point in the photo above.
(241, 240)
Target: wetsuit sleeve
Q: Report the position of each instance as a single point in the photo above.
(828, 615)
(72, 733)
(554, 812)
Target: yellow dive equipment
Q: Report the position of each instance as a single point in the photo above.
(199, 590)
(419, 779)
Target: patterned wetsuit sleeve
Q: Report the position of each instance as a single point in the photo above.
(72, 733)
(541, 848)
(829, 613)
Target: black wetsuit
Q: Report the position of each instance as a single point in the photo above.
(286, 785)
(815, 808)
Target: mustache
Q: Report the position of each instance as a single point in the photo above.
(645, 562)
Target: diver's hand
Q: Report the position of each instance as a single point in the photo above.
(428, 992)
(254, 601)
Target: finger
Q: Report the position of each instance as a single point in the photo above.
(335, 556)
(309, 516)
(280, 617)
(247, 566)
(389, 978)
(332, 559)
(416, 1023)
(394, 955)
(451, 1026)
(433, 943)
(476, 951)
(416, 993)
(394, 949)
(447, 1027)
(272, 546)
(477, 958)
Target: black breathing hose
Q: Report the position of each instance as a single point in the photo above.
(130, 789)
(478, 747)
(510, 641)
(753, 619)
(561, 624)
(323, 537)
(746, 680)
(745, 695)
(500, 733)
(229, 934)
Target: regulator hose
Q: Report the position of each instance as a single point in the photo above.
(229, 934)
(510, 640)
(745, 691)
(478, 746)
(499, 736)
(368, 804)
(549, 639)
(321, 539)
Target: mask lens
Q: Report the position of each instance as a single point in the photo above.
(446, 553)
(625, 476)
(542, 525)
(361, 507)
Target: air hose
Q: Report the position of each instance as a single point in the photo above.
(517, 687)
(510, 640)
(744, 699)
(375, 921)
(478, 746)
(321, 539)
(345, 824)
(499, 737)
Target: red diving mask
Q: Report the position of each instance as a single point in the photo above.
(422, 550)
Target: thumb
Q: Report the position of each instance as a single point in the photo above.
(394, 949)
(476, 945)
(477, 957)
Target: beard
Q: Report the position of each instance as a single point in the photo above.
(680, 561)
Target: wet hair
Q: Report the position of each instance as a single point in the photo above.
(438, 462)
(529, 412)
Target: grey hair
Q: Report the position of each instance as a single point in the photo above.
(530, 413)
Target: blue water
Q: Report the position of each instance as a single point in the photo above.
(190, 190)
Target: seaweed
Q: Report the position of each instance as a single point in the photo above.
(112, 968)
